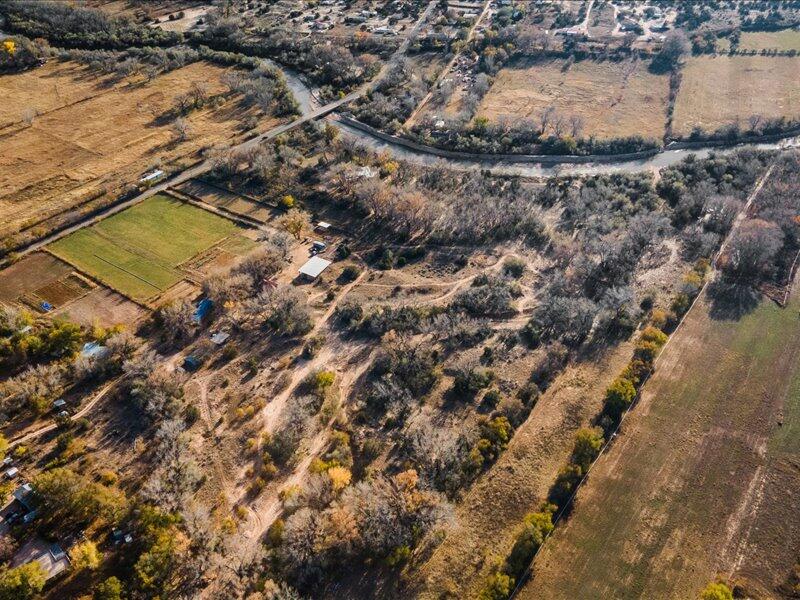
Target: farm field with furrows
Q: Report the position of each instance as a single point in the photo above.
(140, 251)
(707, 467)
(399, 300)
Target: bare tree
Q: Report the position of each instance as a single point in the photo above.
(181, 129)
(178, 319)
(545, 117)
(576, 125)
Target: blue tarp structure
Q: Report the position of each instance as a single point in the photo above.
(46, 306)
(203, 308)
(93, 349)
(191, 363)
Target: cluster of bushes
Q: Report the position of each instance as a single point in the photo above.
(495, 433)
(24, 340)
(336, 522)
(77, 27)
(536, 527)
(18, 53)
(265, 88)
(150, 61)
(333, 67)
(734, 132)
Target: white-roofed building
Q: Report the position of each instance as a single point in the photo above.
(314, 267)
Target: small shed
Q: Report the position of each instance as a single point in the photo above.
(314, 267)
(323, 226)
(220, 337)
(12, 472)
(60, 403)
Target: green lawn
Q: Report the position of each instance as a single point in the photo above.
(137, 251)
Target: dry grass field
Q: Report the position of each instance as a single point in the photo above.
(614, 99)
(53, 86)
(73, 153)
(488, 520)
(787, 39)
(704, 479)
(718, 91)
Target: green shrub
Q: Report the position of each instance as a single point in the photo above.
(498, 586)
(536, 528)
(514, 267)
(619, 396)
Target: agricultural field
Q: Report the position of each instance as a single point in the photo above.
(228, 201)
(94, 137)
(50, 87)
(722, 90)
(705, 468)
(786, 39)
(41, 277)
(611, 99)
(140, 251)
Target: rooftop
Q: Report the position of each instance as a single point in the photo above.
(314, 267)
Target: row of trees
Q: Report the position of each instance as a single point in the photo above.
(78, 27)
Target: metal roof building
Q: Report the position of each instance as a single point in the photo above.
(314, 267)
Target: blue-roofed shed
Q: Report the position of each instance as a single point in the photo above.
(203, 308)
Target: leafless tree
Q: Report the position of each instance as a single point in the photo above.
(178, 319)
(181, 129)
(576, 125)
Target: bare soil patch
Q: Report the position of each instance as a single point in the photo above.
(31, 273)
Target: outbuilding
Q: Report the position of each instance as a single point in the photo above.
(314, 267)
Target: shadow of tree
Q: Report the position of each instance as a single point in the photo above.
(731, 301)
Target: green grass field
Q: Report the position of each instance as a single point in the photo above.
(701, 481)
(137, 251)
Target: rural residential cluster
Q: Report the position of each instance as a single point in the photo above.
(399, 299)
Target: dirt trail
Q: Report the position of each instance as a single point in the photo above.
(335, 354)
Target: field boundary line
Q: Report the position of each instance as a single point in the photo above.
(525, 577)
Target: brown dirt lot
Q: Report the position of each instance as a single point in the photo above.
(721, 90)
(614, 99)
(489, 517)
(228, 201)
(73, 152)
(41, 276)
(104, 307)
(30, 273)
(704, 479)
